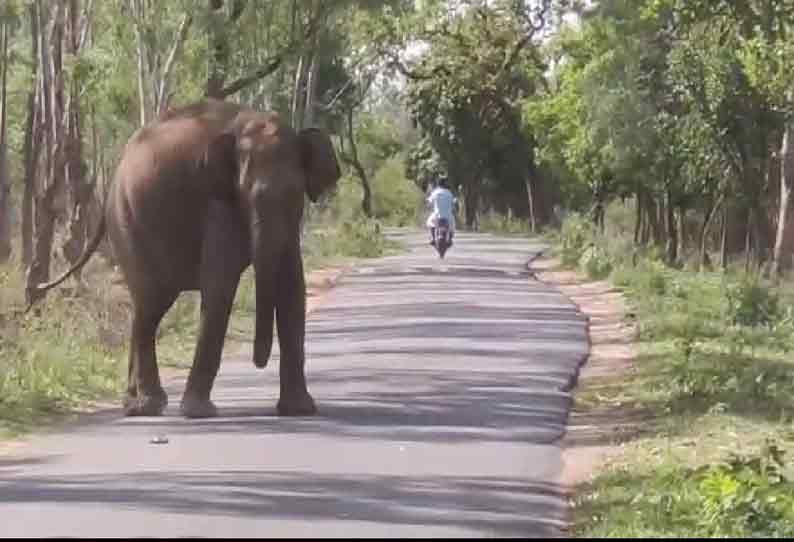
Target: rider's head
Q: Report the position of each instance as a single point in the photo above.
(443, 182)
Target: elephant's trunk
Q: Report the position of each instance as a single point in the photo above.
(266, 260)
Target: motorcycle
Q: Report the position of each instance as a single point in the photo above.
(441, 239)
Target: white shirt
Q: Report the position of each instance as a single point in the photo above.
(443, 203)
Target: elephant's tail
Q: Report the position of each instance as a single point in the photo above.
(39, 290)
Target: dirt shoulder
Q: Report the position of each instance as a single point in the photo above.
(594, 432)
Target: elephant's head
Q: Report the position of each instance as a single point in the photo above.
(277, 166)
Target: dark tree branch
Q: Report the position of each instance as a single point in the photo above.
(274, 62)
(533, 28)
(413, 74)
(272, 65)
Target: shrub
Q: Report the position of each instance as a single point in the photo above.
(577, 234)
(749, 303)
(595, 261)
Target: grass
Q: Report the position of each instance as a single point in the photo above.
(74, 351)
(57, 362)
(496, 223)
(715, 377)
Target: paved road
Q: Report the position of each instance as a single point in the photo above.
(441, 389)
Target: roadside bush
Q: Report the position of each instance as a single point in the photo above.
(493, 222)
(595, 262)
(576, 235)
(396, 200)
(752, 304)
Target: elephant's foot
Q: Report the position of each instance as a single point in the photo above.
(296, 404)
(145, 404)
(193, 407)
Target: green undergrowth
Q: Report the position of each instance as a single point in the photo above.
(714, 383)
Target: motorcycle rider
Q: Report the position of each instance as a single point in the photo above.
(443, 204)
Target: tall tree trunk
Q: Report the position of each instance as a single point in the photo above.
(219, 51)
(144, 104)
(533, 225)
(32, 134)
(352, 159)
(652, 212)
(724, 240)
(471, 202)
(672, 232)
(748, 243)
(638, 224)
(79, 190)
(298, 101)
(219, 45)
(162, 96)
(711, 212)
(784, 238)
(5, 181)
(51, 78)
(682, 232)
(311, 89)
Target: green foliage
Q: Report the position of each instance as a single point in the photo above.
(493, 222)
(595, 262)
(745, 496)
(362, 238)
(576, 235)
(472, 77)
(51, 365)
(750, 303)
(396, 200)
(715, 354)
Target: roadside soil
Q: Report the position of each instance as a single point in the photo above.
(594, 432)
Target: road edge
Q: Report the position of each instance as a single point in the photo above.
(587, 444)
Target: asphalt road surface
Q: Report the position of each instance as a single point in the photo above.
(442, 389)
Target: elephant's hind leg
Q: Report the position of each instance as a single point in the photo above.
(145, 394)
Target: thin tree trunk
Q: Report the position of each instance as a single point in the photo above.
(471, 202)
(52, 102)
(5, 181)
(531, 201)
(784, 237)
(711, 212)
(672, 232)
(353, 160)
(139, 14)
(637, 217)
(80, 193)
(311, 89)
(219, 45)
(32, 133)
(682, 232)
(219, 52)
(724, 240)
(748, 242)
(162, 97)
(297, 95)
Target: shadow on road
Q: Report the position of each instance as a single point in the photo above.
(490, 506)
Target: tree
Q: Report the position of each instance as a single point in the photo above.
(5, 175)
(463, 92)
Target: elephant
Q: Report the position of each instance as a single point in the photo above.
(199, 195)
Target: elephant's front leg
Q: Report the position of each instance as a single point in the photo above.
(295, 399)
(223, 259)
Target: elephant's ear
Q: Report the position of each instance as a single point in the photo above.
(319, 161)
